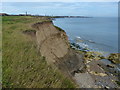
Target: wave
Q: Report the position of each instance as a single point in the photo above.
(83, 45)
(90, 45)
(82, 39)
(79, 39)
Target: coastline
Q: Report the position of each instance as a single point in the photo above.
(85, 39)
(47, 54)
(112, 57)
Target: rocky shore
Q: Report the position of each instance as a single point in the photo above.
(101, 71)
(37, 54)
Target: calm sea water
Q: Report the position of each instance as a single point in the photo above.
(97, 34)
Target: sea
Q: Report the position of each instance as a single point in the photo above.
(98, 34)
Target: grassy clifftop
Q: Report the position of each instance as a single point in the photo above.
(23, 67)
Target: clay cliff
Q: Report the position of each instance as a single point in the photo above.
(53, 44)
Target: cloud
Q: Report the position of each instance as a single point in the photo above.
(63, 8)
(60, 0)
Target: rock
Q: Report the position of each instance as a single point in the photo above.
(84, 80)
(110, 65)
(53, 44)
(114, 58)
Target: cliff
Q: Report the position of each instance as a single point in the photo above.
(53, 44)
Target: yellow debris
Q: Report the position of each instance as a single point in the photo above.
(99, 74)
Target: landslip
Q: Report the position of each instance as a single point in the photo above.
(31, 34)
(54, 45)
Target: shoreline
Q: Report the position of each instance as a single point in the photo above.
(77, 47)
(88, 43)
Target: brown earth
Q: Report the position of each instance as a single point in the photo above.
(54, 45)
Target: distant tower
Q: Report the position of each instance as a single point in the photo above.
(26, 13)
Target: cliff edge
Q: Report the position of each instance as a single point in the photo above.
(54, 45)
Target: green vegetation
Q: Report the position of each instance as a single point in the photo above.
(0, 50)
(23, 67)
(78, 47)
(30, 32)
(114, 58)
(118, 82)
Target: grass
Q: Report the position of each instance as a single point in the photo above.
(22, 65)
(93, 56)
(0, 50)
(118, 82)
(114, 58)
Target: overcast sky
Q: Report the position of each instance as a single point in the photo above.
(94, 9)
(60, 0)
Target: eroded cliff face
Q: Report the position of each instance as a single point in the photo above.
(54, 45)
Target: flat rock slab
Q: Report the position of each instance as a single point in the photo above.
(101, 77)
(95, 77)
(84, 80)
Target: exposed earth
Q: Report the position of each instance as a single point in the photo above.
(37, 54)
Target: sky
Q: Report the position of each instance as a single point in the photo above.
(92, 9)
(60, 0)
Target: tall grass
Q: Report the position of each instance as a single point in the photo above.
(0, 50)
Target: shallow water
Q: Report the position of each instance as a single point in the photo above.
(97, 34)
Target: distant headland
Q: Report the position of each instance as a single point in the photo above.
(26, 14)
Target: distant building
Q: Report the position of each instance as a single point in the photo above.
(22, 14)
(25, 15)
(3, 14)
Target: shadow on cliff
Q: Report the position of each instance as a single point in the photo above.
(54, 45)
